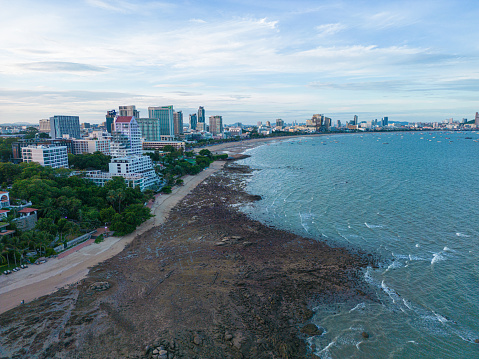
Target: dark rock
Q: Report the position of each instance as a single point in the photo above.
(307, 314)
(476, 341)
(311, 330)
(365, 335)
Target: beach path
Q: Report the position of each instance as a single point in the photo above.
(39, 280)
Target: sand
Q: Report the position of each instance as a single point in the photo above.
(40, 280)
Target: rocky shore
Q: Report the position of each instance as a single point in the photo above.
(209, 283)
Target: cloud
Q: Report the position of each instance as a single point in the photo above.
(330, 29)
(59, 66)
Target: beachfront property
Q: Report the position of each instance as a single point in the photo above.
(45, 155)
(127, 161)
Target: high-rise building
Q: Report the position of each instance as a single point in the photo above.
(355, 120)
(165, 115)
(201, 114)
(45, 126)
(65, 126)
(193, 121)
(178, 123)
(385, 121)
(216, 125)
(279, 123)
(476, 119)
(268, 124)
(128, 111)
(125, 137)
(259, 123)
(149, 128)
(110, 118)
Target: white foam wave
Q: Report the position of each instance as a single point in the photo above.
(459, 234)
(392, 294)
(371, 226)
(359, 306)
(436, 257)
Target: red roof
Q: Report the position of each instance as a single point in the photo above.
(27, 210)
(1, 192)
(123, 119)
(4, 211)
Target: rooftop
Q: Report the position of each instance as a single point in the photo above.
(27, 210)
(124, 119)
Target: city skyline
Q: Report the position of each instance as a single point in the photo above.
(245, 61)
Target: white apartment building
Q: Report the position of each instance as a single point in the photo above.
(91, 146)
(49, 156)
(126, 137)
(136, 170)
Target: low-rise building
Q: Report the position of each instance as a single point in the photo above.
(91, 146)
(48, 156)
(158, 145)
(27, 220)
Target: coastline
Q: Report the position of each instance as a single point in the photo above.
(38, 281)
(224, 286)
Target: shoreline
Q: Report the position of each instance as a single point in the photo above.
(223, 286)
(37, 281)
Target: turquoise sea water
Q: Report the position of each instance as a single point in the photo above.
(411, 198)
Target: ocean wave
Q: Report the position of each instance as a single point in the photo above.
(459, 234)
(359, 306)
(371, 226)
(436, 257)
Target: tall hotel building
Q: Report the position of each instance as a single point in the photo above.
(165, 115)
(128, 111)
(178, 123)
(201, 115)
(127, 161)
(126, 137)
(65, 125)
(193, 121)
(216, 125)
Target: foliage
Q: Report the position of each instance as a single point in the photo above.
(99, 239)
(89, 161)
(129, 219)
(68, 207)
(166, 189)
(6, 153)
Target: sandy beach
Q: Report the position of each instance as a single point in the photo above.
(40, 280)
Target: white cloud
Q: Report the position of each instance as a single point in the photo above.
(330, 29)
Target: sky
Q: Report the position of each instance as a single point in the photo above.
(247, 61)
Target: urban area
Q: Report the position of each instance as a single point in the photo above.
(64, 183)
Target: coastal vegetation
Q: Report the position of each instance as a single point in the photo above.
(68, 206)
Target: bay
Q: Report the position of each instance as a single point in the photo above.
(409, 197)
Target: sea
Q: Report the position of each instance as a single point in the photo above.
(410, 198)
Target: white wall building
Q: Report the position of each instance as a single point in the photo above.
(49, 156)
(91, 146)
(126, 137)
(136, 170)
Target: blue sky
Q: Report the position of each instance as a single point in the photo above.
(248, 61)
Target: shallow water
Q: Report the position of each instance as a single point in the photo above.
(412, 198)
